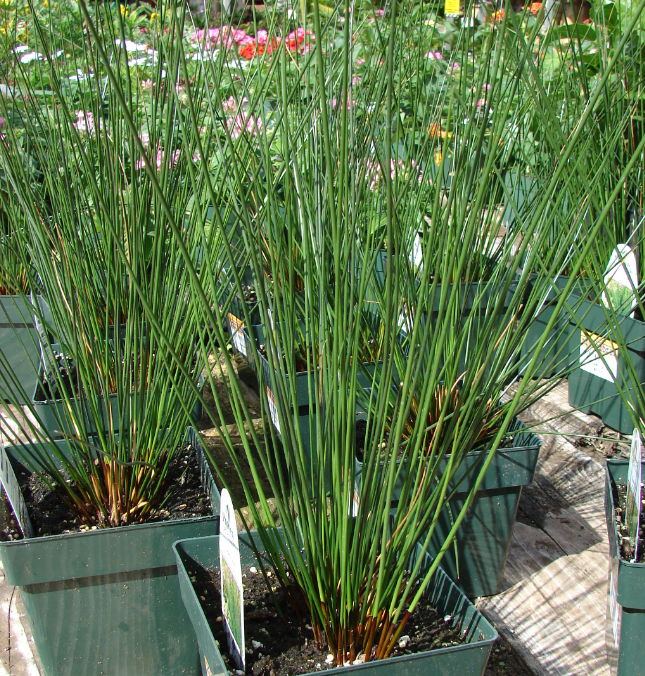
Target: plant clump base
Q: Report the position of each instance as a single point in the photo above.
(183, 498)
(286, 647)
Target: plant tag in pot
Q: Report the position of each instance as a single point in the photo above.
(416, 256)
(621, 278)
(633, 503)
(237, 327)
(14, 494)
(599, 356)
(231, 579)
(46, 354)
(273, 410)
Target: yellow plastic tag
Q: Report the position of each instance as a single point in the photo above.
(451, 8)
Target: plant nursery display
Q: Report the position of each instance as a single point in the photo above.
(326, 190)
(329, 173)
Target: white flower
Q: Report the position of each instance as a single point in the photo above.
(32, 56)
(131, 47)
(138, 62)
(80, 76)
(20, 49)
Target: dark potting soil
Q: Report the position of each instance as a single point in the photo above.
(280, 647)
(183, 498)
(626, 550)
(504, 662)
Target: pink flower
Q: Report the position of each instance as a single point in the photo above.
(159, 159)
(360, 62)
(2, 122)
(85, 123)
(243, 123)
(356, 79)
(262, 37)
(239, 37)
(434, 56)
(337, 103)
(379, 12)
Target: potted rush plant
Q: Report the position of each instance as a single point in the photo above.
(99, 509)
(351, 561)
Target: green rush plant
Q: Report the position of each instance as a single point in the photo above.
(305, 164)
(346, 564)
(95, 245)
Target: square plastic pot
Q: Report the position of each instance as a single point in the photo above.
(19, 345)
(592, 393)
(107, 602)
(625, 623)
(484, 537)
(561, 350)
(469, 659)
(53, 419)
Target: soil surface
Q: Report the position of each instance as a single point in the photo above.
(183, 498)
(280, 647)
(626, 550)
(504, 662)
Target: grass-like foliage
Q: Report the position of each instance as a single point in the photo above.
(94, 242)
(308, 178)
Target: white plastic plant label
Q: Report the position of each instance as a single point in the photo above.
(14, 494)
(355, 503)
(416, 257)
(591, 347)
(231, 578)
(621, 278)
(273, 410)
(237, 327)
(633, 502)
(46, 356)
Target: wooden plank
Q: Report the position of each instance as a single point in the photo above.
(554, 613)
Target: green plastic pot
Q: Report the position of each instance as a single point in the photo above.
(561, 350)
(469, 659)
(625, 624)
(53, 419)
(19, 345)
(107, 602)
(594, 394)
(484, 537)
(521, 191)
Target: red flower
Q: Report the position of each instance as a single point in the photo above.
(248, 50)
